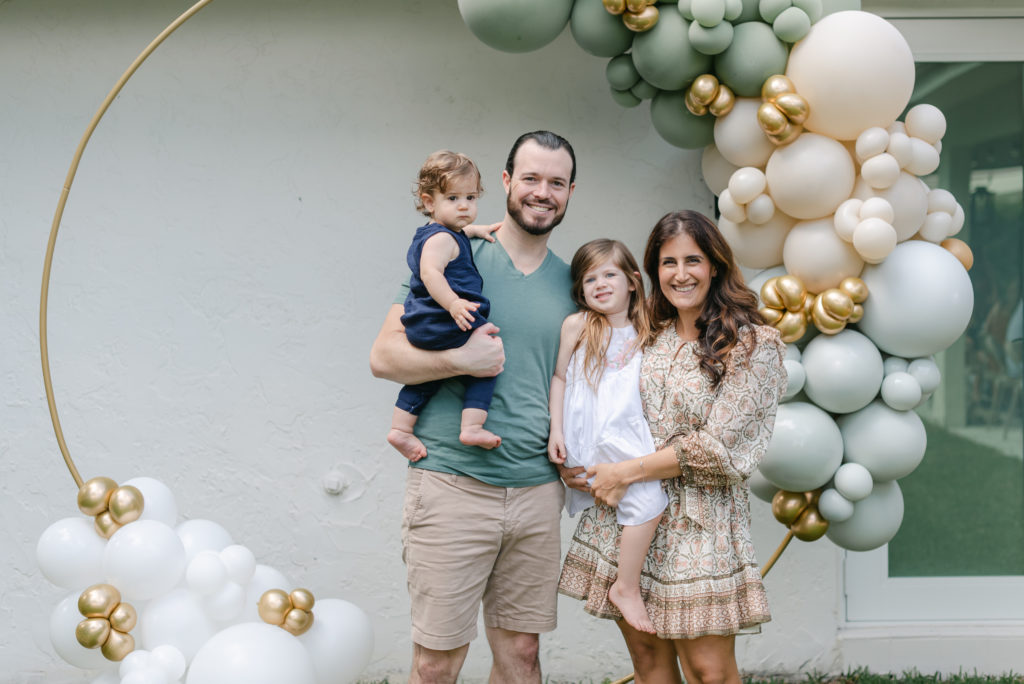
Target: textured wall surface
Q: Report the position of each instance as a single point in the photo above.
(230, 247)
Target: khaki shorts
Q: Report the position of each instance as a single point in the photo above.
(464, 541)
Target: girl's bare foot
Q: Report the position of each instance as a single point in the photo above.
(633, 610)
(474, 435)
(408, 444)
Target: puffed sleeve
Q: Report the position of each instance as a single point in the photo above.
(731, 443)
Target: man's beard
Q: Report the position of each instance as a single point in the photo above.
(516, 212)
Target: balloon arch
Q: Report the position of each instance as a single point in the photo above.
(821, 198)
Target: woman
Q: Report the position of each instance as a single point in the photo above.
(711, 379)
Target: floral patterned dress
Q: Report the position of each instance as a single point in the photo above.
(700, 576)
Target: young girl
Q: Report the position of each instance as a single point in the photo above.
(596, 414)
(445, 303)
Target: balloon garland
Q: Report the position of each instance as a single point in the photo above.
(205, 606)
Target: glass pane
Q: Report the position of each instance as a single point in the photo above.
(965, 502)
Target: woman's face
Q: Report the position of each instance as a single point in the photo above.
(684, 274)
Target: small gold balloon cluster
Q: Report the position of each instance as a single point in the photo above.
(960, 250)
(799, 512)
(706, 94)
(107, 622)
(787, 305)
(291, 612)
(112, 506)
(637, 15)
(783, 112)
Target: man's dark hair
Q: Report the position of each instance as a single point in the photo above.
(551, 141)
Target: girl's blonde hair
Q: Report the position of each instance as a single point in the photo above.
(438, 172)
(596, 329)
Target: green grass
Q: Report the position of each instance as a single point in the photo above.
(862, 676)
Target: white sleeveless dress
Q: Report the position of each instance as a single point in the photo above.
(608, 426)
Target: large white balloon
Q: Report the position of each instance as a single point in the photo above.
(158, 500)
(908, 197)
(757, 246)
(264, 578)
(805, 450)
(889, 443)
(144, 559)
(340, 642)
(874, 522)
(815, 254)
(844, 371)
(810, 177)
(921, 300)
(175, 619)
(63, 621)
(70, 553)
(739, 138)
(855, 70)
(202, 535)
(252, 653)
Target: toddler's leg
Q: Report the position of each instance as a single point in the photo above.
(402, 438)
(473, 432)
(625, 591)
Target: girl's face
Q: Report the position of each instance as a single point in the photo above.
(684, 275)
(607, 290)
(456, 207)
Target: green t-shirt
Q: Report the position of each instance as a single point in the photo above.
(529, 310)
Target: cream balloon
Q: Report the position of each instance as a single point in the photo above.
(805, 450)
(757, 246)
(746, 184)
(739, 138)
(810, 177)
(855, 70)
(815, 254)
(926, 122)
(844, 371)
(889, 443)
(874, 239)
(908, 197)
(716, 169)
(875, 520)
(761, 210)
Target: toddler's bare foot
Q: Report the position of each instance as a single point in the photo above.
(474, 435)
(632, 606)
(408, 444)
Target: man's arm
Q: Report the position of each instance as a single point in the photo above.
(393, 358)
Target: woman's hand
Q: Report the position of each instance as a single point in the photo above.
(607, 482)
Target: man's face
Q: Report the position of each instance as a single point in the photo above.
(539, 189)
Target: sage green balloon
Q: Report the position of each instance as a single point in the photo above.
(875, 520)
(621, 73)
(644, 90)
(674, 122)
(711, 41)
(625, 98)
(733, 10)
(754, 54)
(515, 25)
(708, 13)
(750, 12)
(663, 55)
(597, 31)
(814, 8)
(686, 9)
(770, 9)
(792, 25)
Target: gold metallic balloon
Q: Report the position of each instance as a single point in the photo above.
(770, 295)
(704, 88)
(297, 621)
(856, 288)
(960, 250)
(98, 601)
(723, 102)
(776, 85)
(788, 135)
(824, 321)
(792, 291)
(771, 119)
(792, 326)
(793, 106)
(105, 525)
(615, 6)
(770, 316)
(125, 504)
(93, 632)
(808, 304)
(93, 495)
(695, 107)
(641, 21)
(636, 5)
(787, 506)
(302, 599)
(810, 525)
(124, 617)
(837, 302)
(273, 605)
(858, 313)
(117, 646)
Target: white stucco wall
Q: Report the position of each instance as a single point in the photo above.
(231, 245)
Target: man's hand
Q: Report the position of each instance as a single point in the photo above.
(483, 355)
(571, 477)
(462, 313)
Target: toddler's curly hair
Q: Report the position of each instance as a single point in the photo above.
(438, 172)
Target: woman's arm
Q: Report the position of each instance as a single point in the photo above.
(610, 480)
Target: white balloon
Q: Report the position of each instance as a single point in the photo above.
(730, 208)
(834, 507)
(757, 246)
(810, 177)
(202, 535)
(874, 240)
(844, 371)
(855, 70)
(170, 659)
(895, 364)
(900, 391)
(921, 300)
(853, 481)
(877, 207)
(889, 443)
(927, 374)
(797, 377)
(924, 158)
(900, 147)
(761, 487)
(63, 621)
(206, 573)
(144, 559)
(175, 619)
(148, 676)
(227, 603)
(757, 280)
(871, 142)
(805, 450)
(264, 578)
(70, 553)
(158, 500)
(139, 659)
(738, 135)
(240, 563)
(875, 520)
(252, 653)
(340, 642)
(716, 169)
(815, 254)
(746, 184)
(938, 225)
(793, 352)
(847, 217)
(940, 199)
(908, 197)
(927, 122)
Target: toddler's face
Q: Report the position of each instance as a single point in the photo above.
(456, 207)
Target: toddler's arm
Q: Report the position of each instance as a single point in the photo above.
(482, 231)
(571, 328)
(438, 251)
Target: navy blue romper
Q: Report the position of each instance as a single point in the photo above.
(428, 325)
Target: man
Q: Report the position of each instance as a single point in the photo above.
(483, 525)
